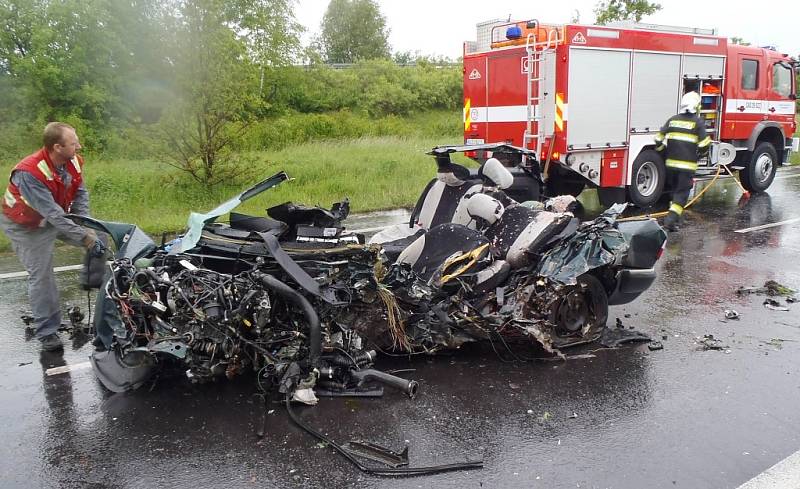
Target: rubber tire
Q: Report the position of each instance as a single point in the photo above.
(599, 298)
(558, 185)
(748, 176)
(636, 198)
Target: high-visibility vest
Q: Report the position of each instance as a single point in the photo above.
(39, 165)
(684, 135)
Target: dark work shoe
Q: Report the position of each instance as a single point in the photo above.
(51, 342)
(672, 222)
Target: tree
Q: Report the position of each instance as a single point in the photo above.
(614, 10)
(81, 61)
(354, 30)
(268, 29)
(740, 41)
(221, 48)
(63, 60)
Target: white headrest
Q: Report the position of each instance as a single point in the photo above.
(496, 172)
(487, 208)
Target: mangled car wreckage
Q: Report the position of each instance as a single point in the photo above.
(304, 305)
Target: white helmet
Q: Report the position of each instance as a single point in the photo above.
(690, 102)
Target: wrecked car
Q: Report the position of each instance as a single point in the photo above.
(307, 306)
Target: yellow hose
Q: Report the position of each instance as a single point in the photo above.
(664, 213)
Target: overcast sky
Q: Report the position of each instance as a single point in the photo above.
(440, 27)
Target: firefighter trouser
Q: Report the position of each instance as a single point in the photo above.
(681, 182)
(34, 248)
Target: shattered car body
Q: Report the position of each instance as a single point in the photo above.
(304, 305)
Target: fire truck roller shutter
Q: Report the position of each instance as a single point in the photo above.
(598, 98)
(655, 94)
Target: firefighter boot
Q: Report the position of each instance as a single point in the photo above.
(673, 221)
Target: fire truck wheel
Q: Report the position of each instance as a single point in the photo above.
(760, 172)
(647, 180)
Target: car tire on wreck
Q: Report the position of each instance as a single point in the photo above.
(580, 313)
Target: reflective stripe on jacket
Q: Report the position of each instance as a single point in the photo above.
(685, 137)
(39, 165)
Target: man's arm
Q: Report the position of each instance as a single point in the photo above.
(703, 139)
(80, 204)
(659, 137)
(38, 196)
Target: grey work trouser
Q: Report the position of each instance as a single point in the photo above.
(34, 248)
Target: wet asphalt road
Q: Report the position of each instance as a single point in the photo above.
(624, 418)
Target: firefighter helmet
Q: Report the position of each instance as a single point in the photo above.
(690, 102)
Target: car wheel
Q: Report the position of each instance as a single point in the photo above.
(647, 180)
(760, 172)
(581, 312)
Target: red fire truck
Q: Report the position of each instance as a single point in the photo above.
(589, 99)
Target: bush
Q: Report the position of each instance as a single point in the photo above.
(378, 87)
(292, 129)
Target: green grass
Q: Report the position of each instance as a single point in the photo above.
(794, 158)
(374, 173)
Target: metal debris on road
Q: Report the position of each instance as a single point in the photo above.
(709, 342)
(770, 288)
(774, 305)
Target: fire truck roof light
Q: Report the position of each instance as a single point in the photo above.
(513, 32)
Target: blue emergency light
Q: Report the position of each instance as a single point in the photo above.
(513, 32)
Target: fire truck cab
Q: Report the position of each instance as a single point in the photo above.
(588, 101)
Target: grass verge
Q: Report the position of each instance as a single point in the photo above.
(374, 173)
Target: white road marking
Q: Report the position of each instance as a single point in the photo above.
(783, 475)
(67, 368)
(765, 226)
(23, 274)
(787, 176)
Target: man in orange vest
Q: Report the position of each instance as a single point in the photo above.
(43, 187)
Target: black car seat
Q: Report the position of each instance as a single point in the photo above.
(452, 251)
(430, 251)
(435, 205)
(522, 232)
(438, 203)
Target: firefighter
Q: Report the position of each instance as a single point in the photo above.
(42, 188)
(682, 141)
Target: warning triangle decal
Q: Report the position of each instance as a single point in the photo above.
(475, 74)
(579, 39)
